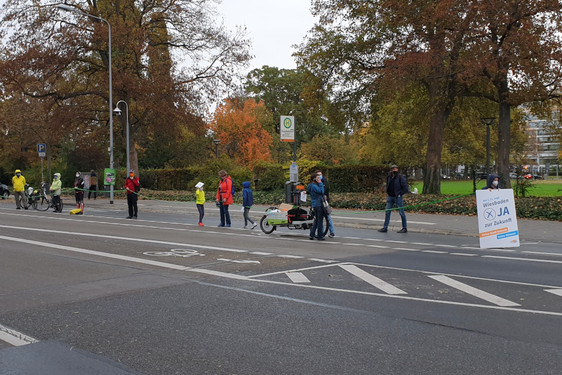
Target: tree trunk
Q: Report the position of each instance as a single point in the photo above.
(432, 177)
(504, 133)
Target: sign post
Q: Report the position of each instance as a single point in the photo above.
(287, 132)
(497, 222)
(42, 151)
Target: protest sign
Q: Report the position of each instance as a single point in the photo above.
(497, 221)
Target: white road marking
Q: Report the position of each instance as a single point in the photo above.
(379, 246)
(260, 253)
(473, 291)
(465, 254)
(524, 259)
(14, 337)
(434, 251)
(241, 261)
(290, 256)
(322, 260)
(297, 277)
(445, 245)
(422, 243)
(125, 258)
(541, 253)
(371, 279)
(405, 249)
(558, 292)
(381, 220)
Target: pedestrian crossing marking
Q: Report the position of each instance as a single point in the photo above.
(371, 279)
(558, 292)
(298, 277)
(474, 291)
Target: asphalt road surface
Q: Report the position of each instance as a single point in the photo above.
(99, 294)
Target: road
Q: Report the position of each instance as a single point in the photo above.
(98, 294)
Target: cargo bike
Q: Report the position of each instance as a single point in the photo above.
(291, 215)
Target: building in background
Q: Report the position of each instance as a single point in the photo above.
(543, 146)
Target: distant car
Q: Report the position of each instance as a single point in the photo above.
(4, 192)
(529, 176)
(513, 175)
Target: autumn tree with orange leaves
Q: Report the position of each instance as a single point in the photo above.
(238, 124)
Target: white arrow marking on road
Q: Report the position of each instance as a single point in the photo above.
(558, 292)
(297, 277)
(373, 280)
(474, 291)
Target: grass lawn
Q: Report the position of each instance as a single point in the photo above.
(540, 188)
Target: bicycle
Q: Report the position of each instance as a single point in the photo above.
(40, 200)
(291, 216)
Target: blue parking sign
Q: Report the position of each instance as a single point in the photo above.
(42, 149)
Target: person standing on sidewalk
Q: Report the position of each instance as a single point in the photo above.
(316, 191)
(493, 182)
(327, 198)
(79, 184)
(93, 184)
(132, 186)
(396, 187)
(247, 202)
(18, 183)
(56, 189)
(200, 201)
(224, 198)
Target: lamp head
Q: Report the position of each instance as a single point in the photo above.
(217, 141)
(487, 120)
(117, 111)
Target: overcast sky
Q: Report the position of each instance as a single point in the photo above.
(273, 27)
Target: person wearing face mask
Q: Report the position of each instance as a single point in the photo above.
(493, 182)
(132, 185)
(79, 184)
(396, 187)
(18, 183)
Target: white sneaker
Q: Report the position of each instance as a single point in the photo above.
(253, 226)
(245, 227)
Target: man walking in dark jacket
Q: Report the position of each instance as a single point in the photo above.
(396, 187)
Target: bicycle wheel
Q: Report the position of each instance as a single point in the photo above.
(42, 204)
(32, 202)
(265, 227)
(60, 206)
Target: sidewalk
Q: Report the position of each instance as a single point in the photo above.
(530, 230)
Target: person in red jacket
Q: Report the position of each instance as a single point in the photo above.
(132, 185)
(224, 197)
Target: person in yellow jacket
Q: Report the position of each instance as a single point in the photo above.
(18, 182)
(56, 188)
(200, 201)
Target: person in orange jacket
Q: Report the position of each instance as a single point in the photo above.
(224, 198)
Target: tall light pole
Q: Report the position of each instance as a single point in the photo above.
(68, 8)
(217, 141)
(487, 121)
(117, 111)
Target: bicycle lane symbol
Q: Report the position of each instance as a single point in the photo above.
(183, 253)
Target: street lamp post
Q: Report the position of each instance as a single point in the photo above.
(117, 111)
(217, 141)
(69, 8)
(487, 121)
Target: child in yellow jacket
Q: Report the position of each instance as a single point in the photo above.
(200, 201)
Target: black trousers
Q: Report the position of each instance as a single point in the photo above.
(132, 203)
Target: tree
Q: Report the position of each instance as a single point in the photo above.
(292, 92)
(363, 47)
(169, 59)
(518, 46)
(449, 46)
(238, 124)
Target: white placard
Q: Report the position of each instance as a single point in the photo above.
(497, 221)
(287, 128)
